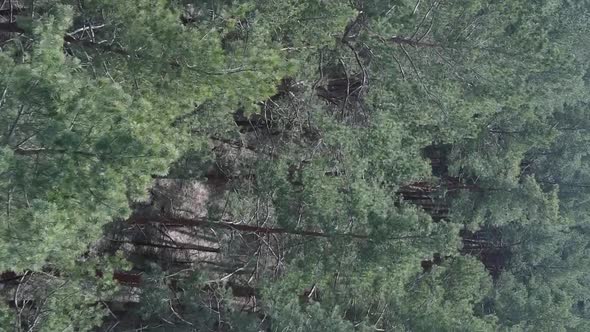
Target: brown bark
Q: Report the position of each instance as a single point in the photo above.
(487, 246)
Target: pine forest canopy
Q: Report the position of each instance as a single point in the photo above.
(294, 165)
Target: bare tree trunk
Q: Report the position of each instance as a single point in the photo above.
(167, 246)
(178, 221)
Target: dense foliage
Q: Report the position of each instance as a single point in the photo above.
(362, 165)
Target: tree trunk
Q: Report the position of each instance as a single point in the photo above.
(178, 221)
(167, 246)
